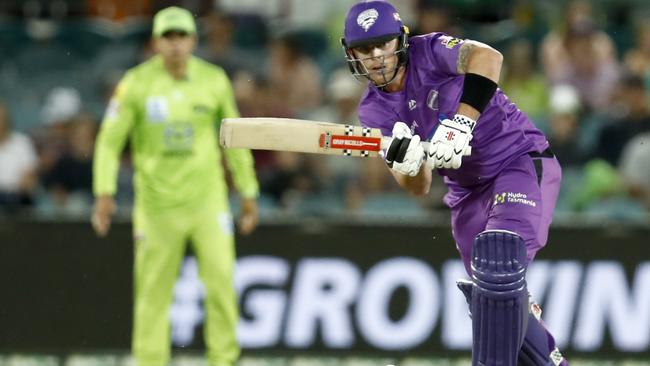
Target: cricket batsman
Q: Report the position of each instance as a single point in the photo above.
(170, 107)
(502, 178)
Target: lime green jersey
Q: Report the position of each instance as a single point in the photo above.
(173, 129)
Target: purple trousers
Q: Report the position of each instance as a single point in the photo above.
(520, 199)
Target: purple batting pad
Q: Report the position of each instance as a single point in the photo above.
(499, 298)
(539, 347)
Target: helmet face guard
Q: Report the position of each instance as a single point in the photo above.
(359, 70)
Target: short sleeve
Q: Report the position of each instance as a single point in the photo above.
(444, 52)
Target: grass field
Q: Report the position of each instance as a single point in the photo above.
(195, 360)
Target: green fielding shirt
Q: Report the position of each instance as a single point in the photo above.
(173, 126)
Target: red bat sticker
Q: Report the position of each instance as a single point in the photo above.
(351, 142)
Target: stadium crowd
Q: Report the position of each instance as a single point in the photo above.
(580, 69)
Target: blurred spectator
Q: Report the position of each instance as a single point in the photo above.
(198, 8)
(564, 125)
(600, 181)
(637, 60)
(60, 106)
(522, 82)
(71, 176)
(219, 48)
(42, 8)
(342, 96)
(18, 164)
(632, 104)
(266, 8)
(341, 176)
(118, 10)
(255, 98)
(635, 167)
(293, 179)
(435, 16)
(294, 77)
(581, 55)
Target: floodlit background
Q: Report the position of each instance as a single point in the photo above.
(579, 69)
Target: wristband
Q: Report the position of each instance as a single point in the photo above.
(477, 91)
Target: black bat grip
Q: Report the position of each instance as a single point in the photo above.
(397, 150)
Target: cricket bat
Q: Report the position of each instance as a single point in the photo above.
(287, 134)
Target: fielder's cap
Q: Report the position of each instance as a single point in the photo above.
(371, 21)
(173, 18)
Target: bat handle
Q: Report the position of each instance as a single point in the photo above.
(385, 143)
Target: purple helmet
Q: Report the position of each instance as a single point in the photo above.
(371, 22)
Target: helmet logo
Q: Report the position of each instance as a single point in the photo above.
(367, 18)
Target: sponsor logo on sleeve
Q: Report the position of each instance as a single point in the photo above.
(450, 42)
(432, 100)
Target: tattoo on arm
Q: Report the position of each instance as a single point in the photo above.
(463, 56)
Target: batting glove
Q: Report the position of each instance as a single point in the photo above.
(450, 143)
(405, 154)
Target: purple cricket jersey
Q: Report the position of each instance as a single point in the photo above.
(499, 164)
(432, 92)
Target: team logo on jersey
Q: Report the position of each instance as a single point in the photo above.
(412, 104)
(432, 100)
(178, 138)
(157, 109)
(367, 18)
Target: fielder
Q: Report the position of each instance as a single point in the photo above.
(170, 107)
(502, 178)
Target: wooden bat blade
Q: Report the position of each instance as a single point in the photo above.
(286, 134)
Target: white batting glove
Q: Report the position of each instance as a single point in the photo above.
(405, 154)
(450, 143)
